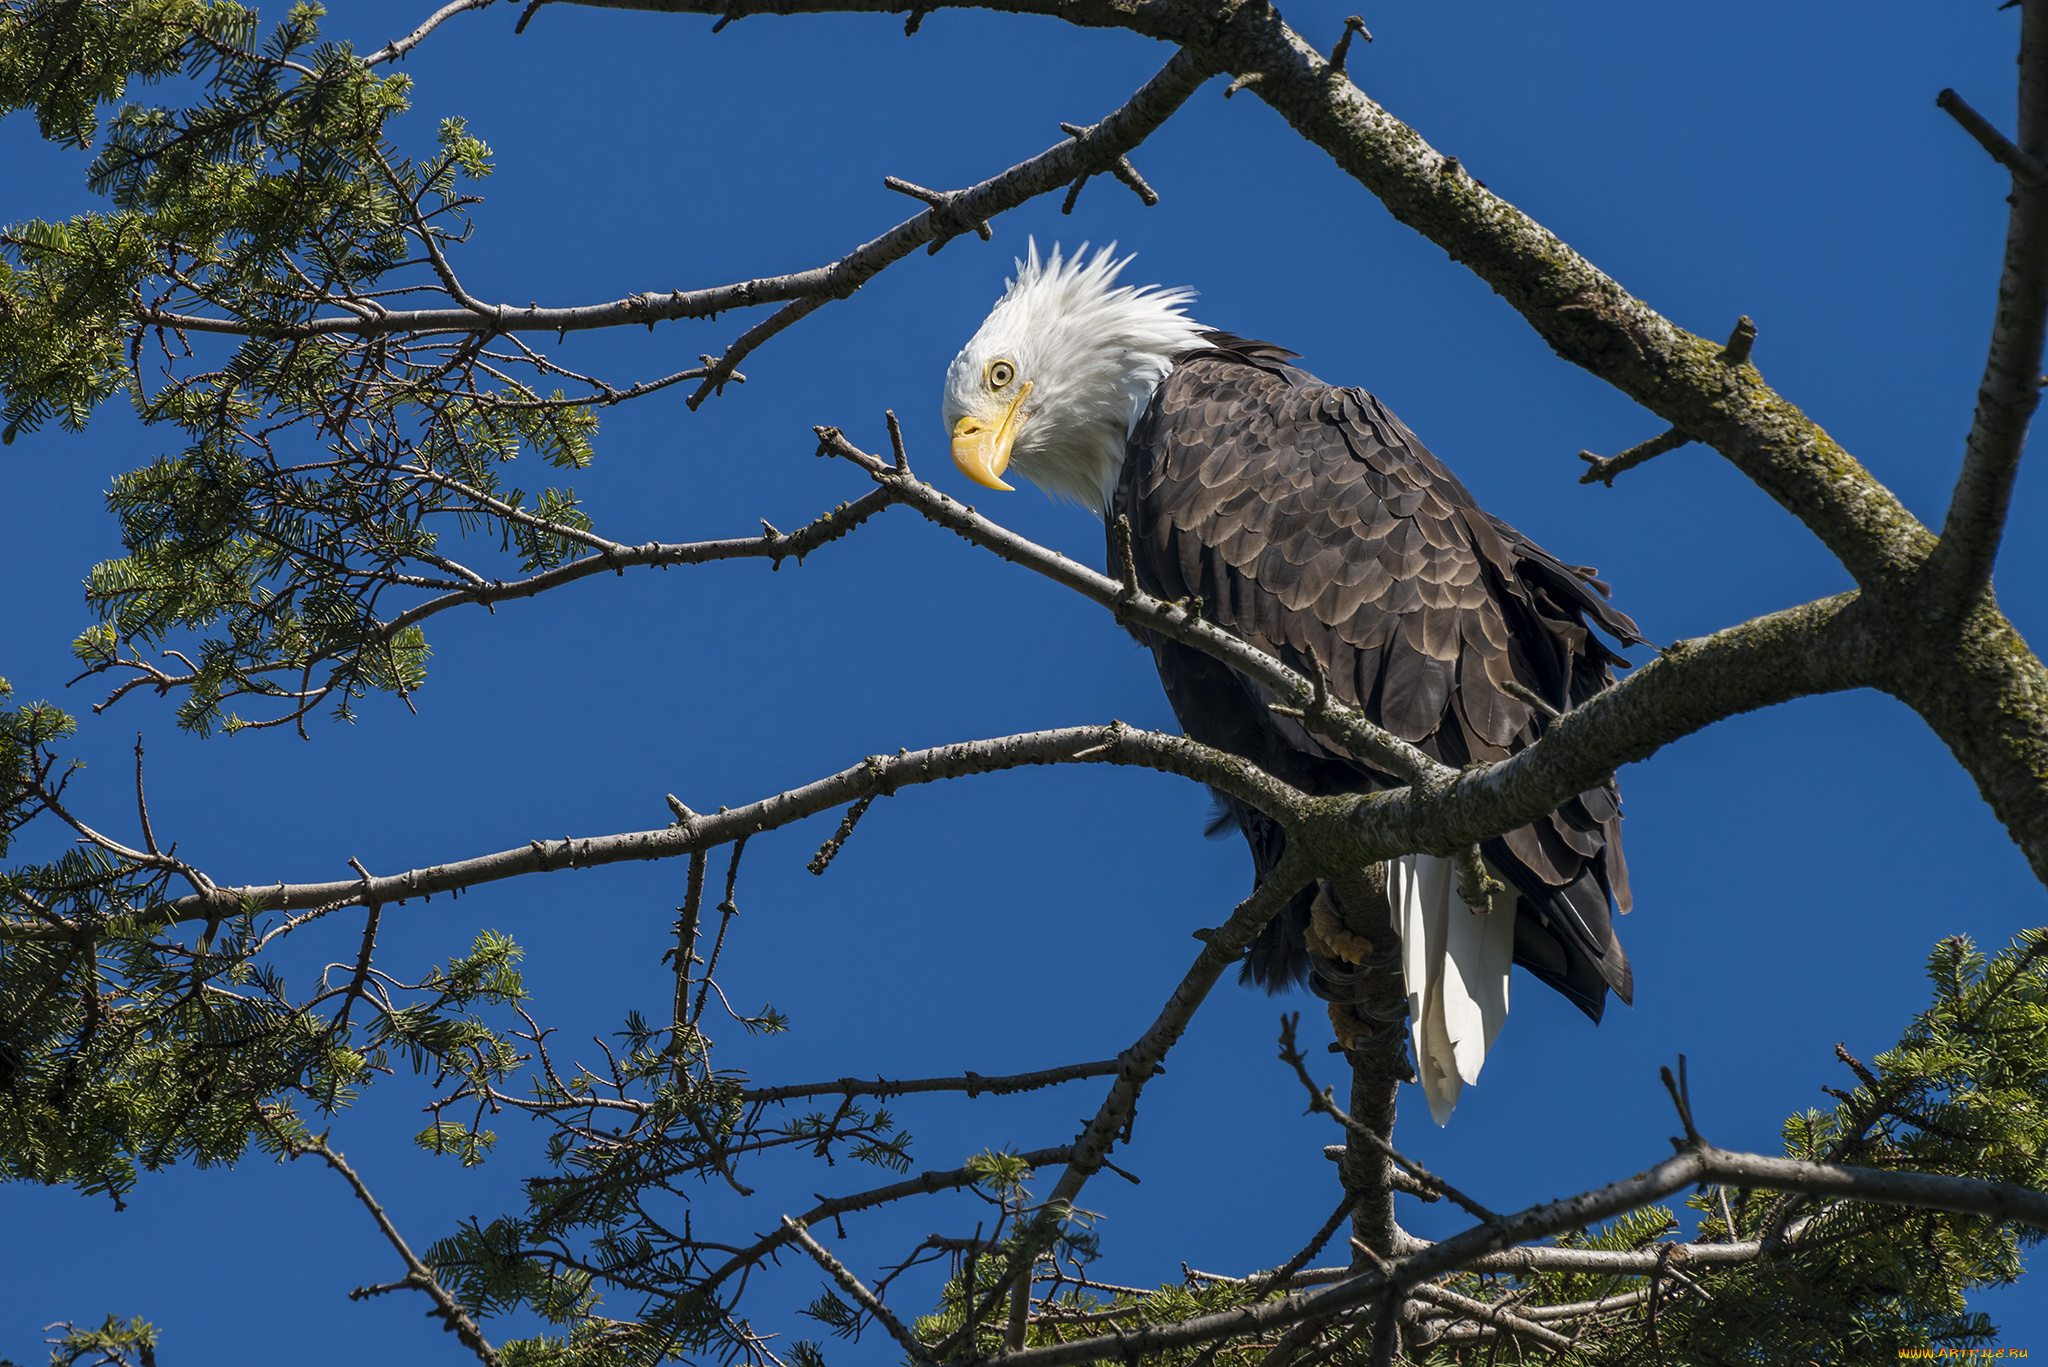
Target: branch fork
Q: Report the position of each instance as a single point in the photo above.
(947, 221)
(1121, 168)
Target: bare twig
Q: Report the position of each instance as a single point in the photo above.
(828, 851)
(142, 802)
(923, 1184)
(1740, 342)
(1138, 1063)
(859, 1291)
(1487, 1314)
(1960, 568)
(1321, 1100)
(896, 442)
(1121, 168)
(1602, 470)
(613, 557)
(953, 212)
(2023, 167)
(1519, 691)
(1681, 1097)
(973, 1084)
(394, 50)
(1283, 1274)
(1476, 887)
(685, 952)
(728, 908)
(417, 1273)
(943, 202)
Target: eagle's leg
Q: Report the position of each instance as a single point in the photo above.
(1355, 963)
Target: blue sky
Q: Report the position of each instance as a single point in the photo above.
(1792, 868)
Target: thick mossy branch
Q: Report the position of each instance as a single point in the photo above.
(1986, 696)
(1588, 318)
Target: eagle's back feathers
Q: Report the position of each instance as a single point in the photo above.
(1314, 524)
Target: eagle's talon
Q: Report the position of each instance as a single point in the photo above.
(1327, 936)
(1357, 1029)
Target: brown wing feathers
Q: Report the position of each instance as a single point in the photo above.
(1313, 523)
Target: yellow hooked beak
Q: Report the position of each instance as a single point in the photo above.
(982, 448)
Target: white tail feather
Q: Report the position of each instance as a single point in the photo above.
(1455, 963)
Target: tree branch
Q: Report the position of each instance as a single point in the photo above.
(923, 1184)
(1115, 744)
(2001, 148)
(858, 1290)
(1468, 1308)
(394, 50)
(417, 1273)
(776, 546)
(1177, 621)
(1960, 568)
(1585, 316)
(1483, 1244)
(1222, 948)
(1097, 149)
(1320, 1100)
(1982, 694)
(1815, 648)
(1603, 469)
(973, 1084)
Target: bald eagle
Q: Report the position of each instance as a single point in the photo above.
(1312, 523)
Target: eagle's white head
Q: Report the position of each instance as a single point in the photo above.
(1060, 371)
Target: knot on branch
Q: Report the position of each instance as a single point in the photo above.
(1118, 166)
(1352, 25)
(833, 442)
(948, 220)
(718, 372)
(685, 818)
(1739, 342)
(1114, 738)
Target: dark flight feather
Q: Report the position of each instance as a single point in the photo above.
(1312, 522)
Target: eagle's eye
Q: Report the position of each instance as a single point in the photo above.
(1000, 373)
